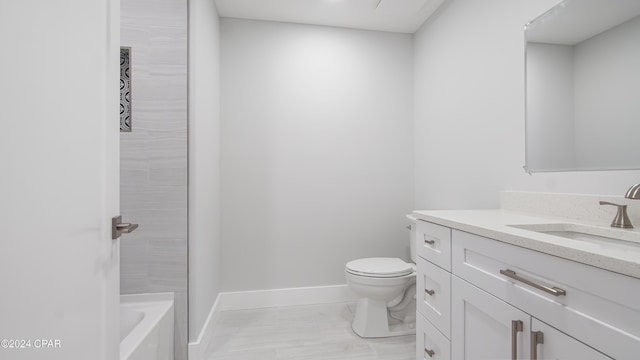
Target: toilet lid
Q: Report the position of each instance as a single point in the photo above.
(379, 267)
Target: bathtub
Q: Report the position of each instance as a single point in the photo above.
(146, 327)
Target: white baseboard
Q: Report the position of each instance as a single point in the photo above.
(198, 348)
(285, 297)
(244, 300)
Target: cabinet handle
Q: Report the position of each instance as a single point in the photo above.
(516, 327)
(430, 292)
(429, 352)
(430, 242)
(550, 290)
(537, 338)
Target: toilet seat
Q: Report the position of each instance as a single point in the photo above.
(379, 267)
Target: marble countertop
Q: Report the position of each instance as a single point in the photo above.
(620, 256)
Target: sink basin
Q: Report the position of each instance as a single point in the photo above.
(578, 235)
(602, 237)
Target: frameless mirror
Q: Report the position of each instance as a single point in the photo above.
(583, 87)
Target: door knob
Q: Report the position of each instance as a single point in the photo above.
(118, 227)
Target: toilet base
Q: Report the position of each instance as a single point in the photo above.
(372, 320)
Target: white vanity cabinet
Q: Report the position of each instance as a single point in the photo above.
(433, 291)
(509, 302)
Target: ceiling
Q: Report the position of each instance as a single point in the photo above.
(404, 16)
(574, 21)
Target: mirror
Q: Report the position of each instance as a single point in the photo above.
(583, 87)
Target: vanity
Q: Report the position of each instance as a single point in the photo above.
(501, 284)
(546, 277)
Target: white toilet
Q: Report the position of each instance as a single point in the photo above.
(387, 289)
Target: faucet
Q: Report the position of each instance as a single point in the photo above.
(622, 219)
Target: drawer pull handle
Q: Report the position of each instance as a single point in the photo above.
(429, 352)
(537, 338)
(516, 327)
(430, 242)
(430, 292)
(551, 290)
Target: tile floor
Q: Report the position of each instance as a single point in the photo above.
(312, 332)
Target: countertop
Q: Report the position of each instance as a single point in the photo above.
(621, 257)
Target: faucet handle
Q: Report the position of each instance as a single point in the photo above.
(633, 192)
(622, 219)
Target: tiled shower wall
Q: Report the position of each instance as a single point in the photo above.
(154, 155)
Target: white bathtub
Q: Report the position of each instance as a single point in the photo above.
(146, 327)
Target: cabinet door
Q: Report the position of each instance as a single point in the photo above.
(484, 327)
(553, 344)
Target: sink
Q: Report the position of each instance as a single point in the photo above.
(600, 236)
(578, 235)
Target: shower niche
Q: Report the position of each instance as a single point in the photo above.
(125, 89)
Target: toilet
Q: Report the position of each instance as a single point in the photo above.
(386, 288)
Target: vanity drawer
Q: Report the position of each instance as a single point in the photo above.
(612, 325)
(430, 343)
(433, 242)
(433, 295)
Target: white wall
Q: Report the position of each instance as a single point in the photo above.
(607, 104)
(469, 110)
(204, 162)
(550, 118)
(316, 151)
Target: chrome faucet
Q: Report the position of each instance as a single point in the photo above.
(622, 219)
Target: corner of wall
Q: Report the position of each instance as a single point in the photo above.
(198, 348)
(204, 169)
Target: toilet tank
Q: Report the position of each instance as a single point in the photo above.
(412, 236)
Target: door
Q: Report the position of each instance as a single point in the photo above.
(556, 345)
(484, 327)
(59, 268)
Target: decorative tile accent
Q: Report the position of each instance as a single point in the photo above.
(125, 89)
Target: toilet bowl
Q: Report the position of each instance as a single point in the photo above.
(386, 289)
